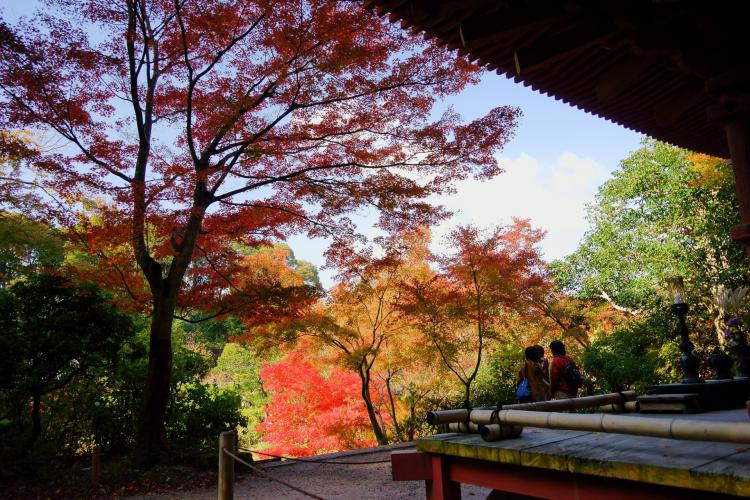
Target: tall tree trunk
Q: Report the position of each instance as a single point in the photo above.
(152, 431)
(412, 428)
(396, 427)
(380, 436)
(36, 421)
(152, 440)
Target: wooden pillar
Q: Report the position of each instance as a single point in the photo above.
(441, 487)
(226, 466)
(738, 135)
(732, 91)
(96, 465)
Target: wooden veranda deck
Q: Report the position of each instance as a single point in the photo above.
(574, 464)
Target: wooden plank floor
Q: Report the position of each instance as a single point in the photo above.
(706, 466)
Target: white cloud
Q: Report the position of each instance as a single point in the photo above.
(552, 196)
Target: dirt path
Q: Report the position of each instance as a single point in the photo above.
(370, 481)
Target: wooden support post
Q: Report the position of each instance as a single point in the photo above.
(411, 465)
(226, 466)
(732, 92)
(738, 135)
(96, 465)
(441, 487)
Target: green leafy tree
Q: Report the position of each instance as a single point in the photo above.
(665, 213)
(635, 354)
(238, 368)
(52, 331)
(27, 246)
(214, 333)
(104, 406)
(496, 380)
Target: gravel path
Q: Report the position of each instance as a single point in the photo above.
(370, 481)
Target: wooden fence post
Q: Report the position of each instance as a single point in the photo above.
(226, 466)
(96, 464)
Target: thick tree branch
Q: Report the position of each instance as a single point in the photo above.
(617, 307)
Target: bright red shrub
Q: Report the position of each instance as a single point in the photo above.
(311, 413)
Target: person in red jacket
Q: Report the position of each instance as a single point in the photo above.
(559, 386)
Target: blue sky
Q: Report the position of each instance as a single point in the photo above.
(558, 158)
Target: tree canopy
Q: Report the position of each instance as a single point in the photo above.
(188, 126)
(665, 213)
(473, 295)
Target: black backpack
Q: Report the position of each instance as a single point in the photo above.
(572, 376)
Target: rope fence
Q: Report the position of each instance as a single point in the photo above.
(316, 460)
(227, 457)
(269, 476)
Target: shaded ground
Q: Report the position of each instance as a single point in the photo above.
(368, 481)
(171, 482)
(72, 480)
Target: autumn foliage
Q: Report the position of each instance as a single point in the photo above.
(312, 413)
(190, 126)
(484, 284)
(401, 314)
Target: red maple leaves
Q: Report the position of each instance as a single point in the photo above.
(310, 413)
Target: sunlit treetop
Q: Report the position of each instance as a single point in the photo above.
(207, 123)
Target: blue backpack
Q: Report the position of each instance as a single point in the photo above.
(524, 391)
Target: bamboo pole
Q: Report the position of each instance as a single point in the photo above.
(483, 416)
(486, 416)
(447, 416)
(226, 466)
(628, 407)
(673, 428)
(466, 427)
(495, 432)
(575, 403)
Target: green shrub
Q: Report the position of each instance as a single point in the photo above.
(238, 368)
(101, 404)
(54, 336)
(196, 412)
(634, 355)
(496, 380)
(199, 413)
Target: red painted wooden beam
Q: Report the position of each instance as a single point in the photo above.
(411, 465)
(443, 475)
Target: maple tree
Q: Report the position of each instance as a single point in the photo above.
(406, 370)
(411, 382)
(460, 307)
(565, 314)
(191, 125)
(361, 323)
(362, 311)
(357, 319)
(310, 413)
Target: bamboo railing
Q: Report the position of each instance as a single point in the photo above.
(508, 421)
